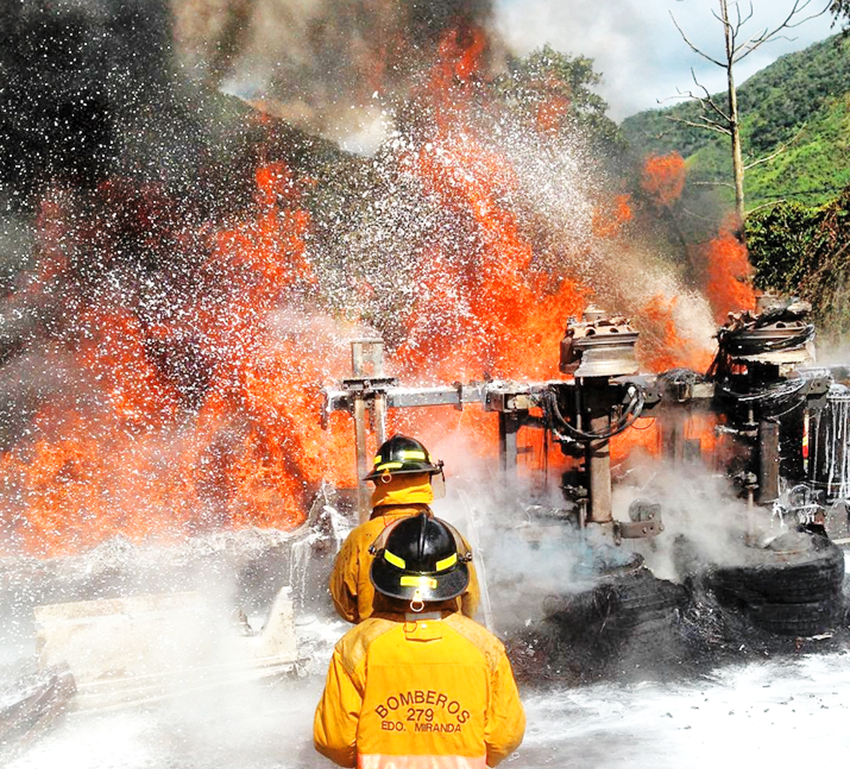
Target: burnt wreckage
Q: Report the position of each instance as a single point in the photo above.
(777, 431)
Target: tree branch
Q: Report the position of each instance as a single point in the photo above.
(735, 30)
(779, 150)
(692, 46)
(708, 125)
(768, 204)
(707, 105)
(694, 215)
(769, 36)
(713, 184)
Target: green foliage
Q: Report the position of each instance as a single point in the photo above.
(784, 96)
(795, 116)
(841, 10)
(798, 105)
(782, 241)
(549, 80)
(803, 251)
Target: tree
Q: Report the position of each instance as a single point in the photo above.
(725, 118)
(841, 10)
(555, 92)
(803, 251)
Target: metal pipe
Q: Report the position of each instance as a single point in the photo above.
(672, 423)
(598, 456)
(750, 494)
(768, 461)
(367, 357)
(367, 360)
(508, 427)
(379, 415)
(363, 494)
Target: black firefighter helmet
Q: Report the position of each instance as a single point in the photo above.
(420, 558)
(401, 455)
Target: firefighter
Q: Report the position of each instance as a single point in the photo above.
(402, 474)
(418, 684)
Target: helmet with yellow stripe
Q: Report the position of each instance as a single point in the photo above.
(420, 559)
(401, 455)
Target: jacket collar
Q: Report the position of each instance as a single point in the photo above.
(397, 511)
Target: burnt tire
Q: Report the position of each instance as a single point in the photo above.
(644, 600)
(793, 587)
(617, 607)
(796, 619)
(799, 569)
(626, 622)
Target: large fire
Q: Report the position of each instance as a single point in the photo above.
(207, 418)
(663, 178)
(194, 384)
(729, 287)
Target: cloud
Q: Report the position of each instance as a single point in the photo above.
(637, 49)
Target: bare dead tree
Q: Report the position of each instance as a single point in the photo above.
(724, 118)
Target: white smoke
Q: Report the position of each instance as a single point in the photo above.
(703, 516)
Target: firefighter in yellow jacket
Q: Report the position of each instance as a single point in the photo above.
(402, 475)
(418, 685)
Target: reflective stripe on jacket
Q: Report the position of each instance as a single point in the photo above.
(419, 762)
(428, 693)
(351, 589)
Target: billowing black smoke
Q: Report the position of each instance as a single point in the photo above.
(322, 62)
(88, 91)
(94, 89)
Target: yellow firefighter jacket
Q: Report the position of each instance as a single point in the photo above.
(435, 692)
(350, 586)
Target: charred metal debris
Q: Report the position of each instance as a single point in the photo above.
(777, 430)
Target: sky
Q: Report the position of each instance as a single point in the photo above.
(637, 49)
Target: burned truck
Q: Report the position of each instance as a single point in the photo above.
(594, 567)
(772, 437)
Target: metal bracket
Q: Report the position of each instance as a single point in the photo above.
(365, 387)
(636, 529)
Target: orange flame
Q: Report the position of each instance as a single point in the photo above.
(208, 416)
(644, 435)
(663, 178)
(660, 346)
(155, 448)
(459, 55)
(729, 286)
(697, 438)
(461, 324)
(607, 223)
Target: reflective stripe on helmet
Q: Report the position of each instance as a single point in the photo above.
(394, 559)
(400, 563)
(410, 581)
(389, 466)
(406, 454)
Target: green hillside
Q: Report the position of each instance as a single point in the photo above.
(802, 101)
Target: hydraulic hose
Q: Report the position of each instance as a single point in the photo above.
(734, 343)
(629, 417)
